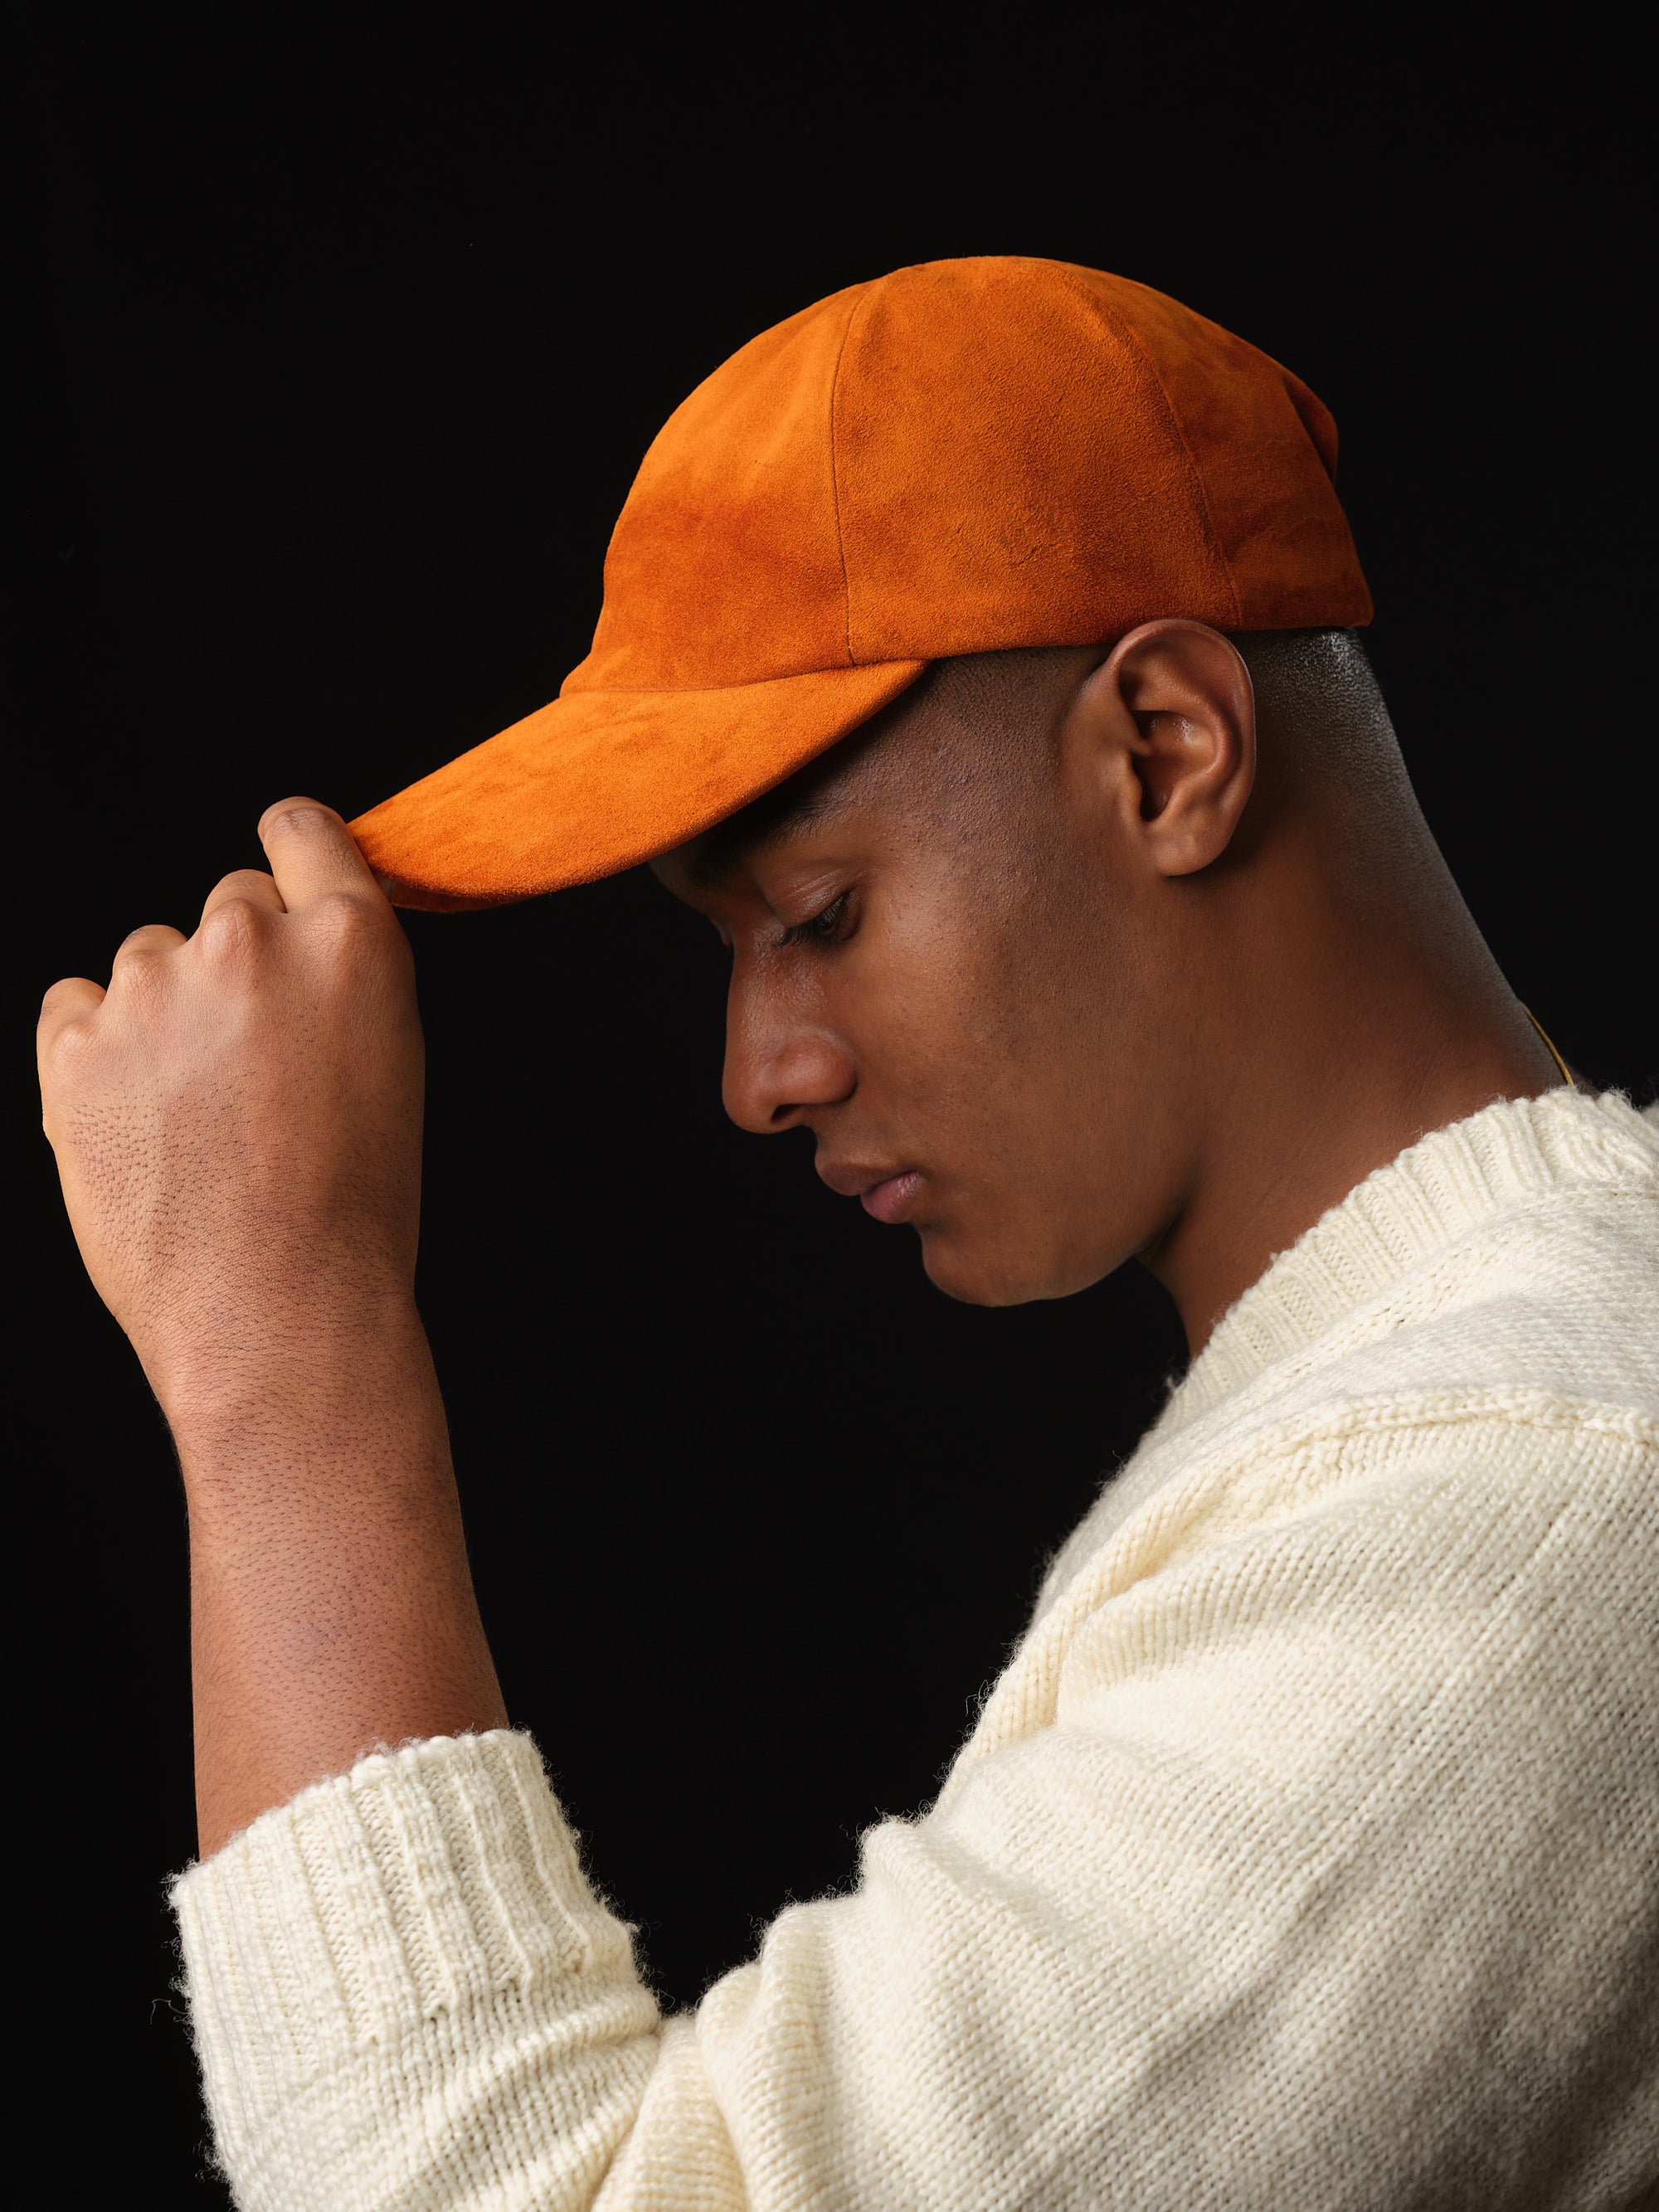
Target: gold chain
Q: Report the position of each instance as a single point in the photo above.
(1567, 1075)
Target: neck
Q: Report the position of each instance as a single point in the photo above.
(1381, 1017)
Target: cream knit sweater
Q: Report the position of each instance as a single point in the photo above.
(1306, 1856)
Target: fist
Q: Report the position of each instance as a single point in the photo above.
(237, 1117)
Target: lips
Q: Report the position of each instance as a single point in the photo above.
(884, 1193)
(890, 1199)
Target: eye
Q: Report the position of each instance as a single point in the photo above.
(825, 927)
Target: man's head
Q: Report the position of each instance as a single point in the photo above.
(1006, 950)
(1062, 952)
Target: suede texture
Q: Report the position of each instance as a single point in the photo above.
(958, 457)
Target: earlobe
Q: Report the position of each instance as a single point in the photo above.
(1187, 693)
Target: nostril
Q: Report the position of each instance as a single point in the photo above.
(771, 1085)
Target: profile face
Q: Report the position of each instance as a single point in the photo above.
(917, 965)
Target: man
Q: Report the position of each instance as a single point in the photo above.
(978, 654)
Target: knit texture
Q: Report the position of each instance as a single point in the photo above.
(1306, 1856)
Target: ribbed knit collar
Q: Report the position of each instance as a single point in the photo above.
(1403, 1214)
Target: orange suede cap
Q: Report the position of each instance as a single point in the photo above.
(958, 457)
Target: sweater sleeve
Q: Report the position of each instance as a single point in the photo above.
(1305, 1858)
(405, 1994)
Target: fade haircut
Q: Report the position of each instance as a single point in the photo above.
(1318, 702)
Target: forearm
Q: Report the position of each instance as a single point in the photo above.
(332, 1608)
(237, 1121)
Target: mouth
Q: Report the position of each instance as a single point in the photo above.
(883, 1195)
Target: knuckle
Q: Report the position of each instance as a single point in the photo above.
(347, 922)
(232, 930)
(68, 1037)
(140, 972)
(65, 1048)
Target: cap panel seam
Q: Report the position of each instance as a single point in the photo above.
(859, 305)
(1130, 338)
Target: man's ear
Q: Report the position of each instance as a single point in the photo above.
(1167, 722)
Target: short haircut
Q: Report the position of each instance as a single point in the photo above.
(1315, 691)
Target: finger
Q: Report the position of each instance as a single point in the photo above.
(154, 937)
(70, 1000)
(67, 1002)
(251, 885)
(312, 853)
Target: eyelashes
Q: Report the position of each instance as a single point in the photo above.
(824, 927)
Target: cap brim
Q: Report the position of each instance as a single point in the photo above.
(598, 781)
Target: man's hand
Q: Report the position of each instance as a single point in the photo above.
(237, 1118)
(237, 1121)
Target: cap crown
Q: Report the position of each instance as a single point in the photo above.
(963, 456)
(958, 457)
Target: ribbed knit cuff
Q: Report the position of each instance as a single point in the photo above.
(354, 1954)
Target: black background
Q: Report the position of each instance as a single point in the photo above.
(342, 334)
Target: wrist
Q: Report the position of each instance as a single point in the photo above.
(333, 1606)
(313, 1377)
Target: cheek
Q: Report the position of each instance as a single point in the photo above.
(930, 1012)
(1029, 1082)
(972, 1026)
(999, 1051)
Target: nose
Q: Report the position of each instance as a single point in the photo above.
(780, 1065)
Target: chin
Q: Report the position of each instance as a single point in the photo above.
(977, 1276)
(984, 1272)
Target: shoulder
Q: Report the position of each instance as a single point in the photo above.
(1518, 1250)
(1491, 1300)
